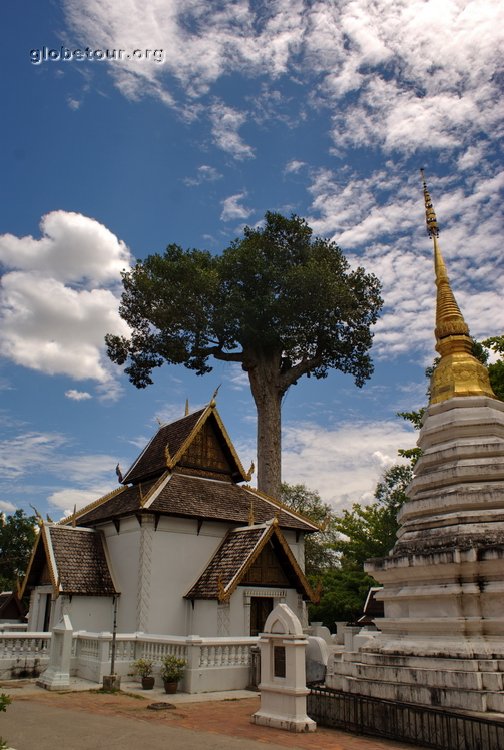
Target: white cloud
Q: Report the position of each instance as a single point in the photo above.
(73, 248)
(226, 122)
(294, 166)
(382, 221)
(343, 462)
(397, 75)
(204, 173)
(74, 395)
(231, 208)
(58, 297)
(7, 507)
(69, 497)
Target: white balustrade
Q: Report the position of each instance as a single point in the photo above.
(212, 663)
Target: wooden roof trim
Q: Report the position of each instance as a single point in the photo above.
(283, 506)
(173, 460)
(297, 568)
(154, 491)
(207, 412)
(51, 559)
(30, 563)
(169, 459)
(91, 506)
(274, 530)
(251, 558)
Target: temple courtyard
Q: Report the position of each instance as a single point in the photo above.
(84, 719)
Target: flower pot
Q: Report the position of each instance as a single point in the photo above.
(147, 682)
(170, 687)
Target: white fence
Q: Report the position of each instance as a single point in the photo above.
(212, 663)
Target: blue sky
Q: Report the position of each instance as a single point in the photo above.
(325, 109)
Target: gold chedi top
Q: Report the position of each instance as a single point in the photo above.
(458, 372)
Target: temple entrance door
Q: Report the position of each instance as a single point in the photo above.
(260, 608)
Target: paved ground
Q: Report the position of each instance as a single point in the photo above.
(84, 720)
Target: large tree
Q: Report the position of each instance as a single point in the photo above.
(319, 553)
(17, 536)
(279, 301)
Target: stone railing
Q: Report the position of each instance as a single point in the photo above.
(13, 627)
(213, 664)
(23, 654)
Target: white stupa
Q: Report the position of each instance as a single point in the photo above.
(441, 642)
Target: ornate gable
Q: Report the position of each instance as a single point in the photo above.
(197, 444)
(207, 455)
(252, 555)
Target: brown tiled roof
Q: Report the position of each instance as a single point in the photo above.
(81, 564)
(220, 501)
(128, 500)
(192, 497)
(227, 561)
(152, 460)
(238, 551)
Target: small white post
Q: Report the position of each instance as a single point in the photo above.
(283, 673)
(57, 674)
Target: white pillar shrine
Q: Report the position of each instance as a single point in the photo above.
(283, 673)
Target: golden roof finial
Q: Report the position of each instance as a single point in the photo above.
(212, 400)
(251, 515)
(458, 372)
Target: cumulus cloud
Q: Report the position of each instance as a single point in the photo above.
(226, 122)
(232, 210)
(7, 507)
(379, 221)
(396, 75)
(204, 173)
(74, 395)
(342, 462)
(59, 296)
(293, 166)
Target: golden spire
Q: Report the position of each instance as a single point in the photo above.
(458, 372)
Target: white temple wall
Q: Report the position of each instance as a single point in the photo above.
(179, 556)
(91, 613)
(123, 549)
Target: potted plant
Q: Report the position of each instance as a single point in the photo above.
(172, 670)
(143, 668)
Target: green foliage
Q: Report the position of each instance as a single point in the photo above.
(414, 417)
(370, 531)
(343, 595)
(278, 301)
(185, 306)
(17, 537)
(172, 668)
(496, 369)
(4, 702)
(319, 554)
(143, 667)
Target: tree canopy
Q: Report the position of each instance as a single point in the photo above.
(17, 537)
(319, 552)
(370, 530)
(279, 301)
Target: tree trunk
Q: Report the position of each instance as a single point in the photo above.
(264, 377)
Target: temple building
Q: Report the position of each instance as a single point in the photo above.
(441, 641)
(180, 546)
